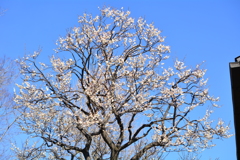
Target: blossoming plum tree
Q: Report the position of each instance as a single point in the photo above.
(112, 97)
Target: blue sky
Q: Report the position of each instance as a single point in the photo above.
(196, 31)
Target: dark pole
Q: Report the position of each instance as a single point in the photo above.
(235, 85)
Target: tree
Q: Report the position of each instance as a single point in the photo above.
(112, 97)
(7, 118)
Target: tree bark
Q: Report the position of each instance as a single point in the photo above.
(114, 155)
(86, 155)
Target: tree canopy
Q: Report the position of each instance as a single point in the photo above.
(107, 94)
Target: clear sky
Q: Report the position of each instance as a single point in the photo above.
(196, 30)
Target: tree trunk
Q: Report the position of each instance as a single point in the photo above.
(86, 155)
(114, 155)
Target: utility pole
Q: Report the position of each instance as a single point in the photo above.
(235, 85)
